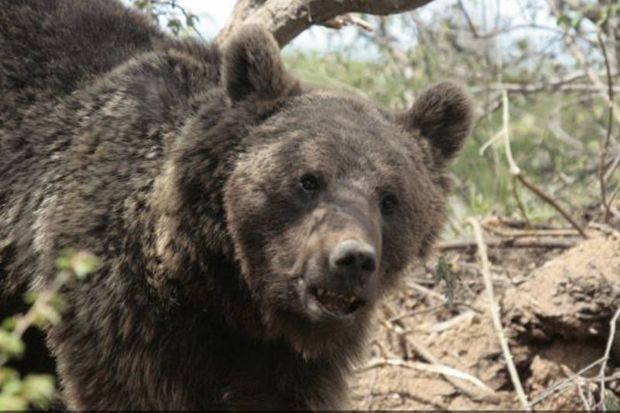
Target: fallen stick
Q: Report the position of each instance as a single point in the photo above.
(416, 312)
(605, 229)
(515, 223)
(454, 321)
(511, 243)
(494, 310)
(448, 372)
(441, 369)
(522, 233)
(427, 291)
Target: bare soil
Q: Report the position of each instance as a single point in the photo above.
(556, 305)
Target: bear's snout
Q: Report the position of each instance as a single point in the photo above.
(347, 279)
(353, 258)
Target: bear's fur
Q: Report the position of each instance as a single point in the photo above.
(247, 224)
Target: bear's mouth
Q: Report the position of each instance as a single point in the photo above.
(338, 304)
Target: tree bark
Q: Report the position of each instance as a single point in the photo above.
(286, 19)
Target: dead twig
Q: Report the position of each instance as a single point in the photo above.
(465, 316)
(612, 168)
(571, 44)
(610, 121)
(516, 223)
(520, 203)
(417, 312)
(427, 291)
(436, 366)
(579, 381)
(419, 348)
(605, 229)
(534, 233)
(586, 403)
(542, 195)
(509, 243)
(564, 384)
(425, 367)
(495, 315)
(610, 341)
(517, 174)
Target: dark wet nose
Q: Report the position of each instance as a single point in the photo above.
(352, 256)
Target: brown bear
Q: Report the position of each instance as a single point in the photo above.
(247, 224)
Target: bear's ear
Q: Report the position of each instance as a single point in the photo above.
(443, 116)
(252, 66)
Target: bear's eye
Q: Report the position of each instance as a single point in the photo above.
(388, 203)
(309, 183)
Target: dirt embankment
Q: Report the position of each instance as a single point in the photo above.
(555, 306)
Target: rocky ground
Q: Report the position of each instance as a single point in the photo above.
(556, 293)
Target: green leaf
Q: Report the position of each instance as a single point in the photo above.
(38, 389)
(600, 22)
(10, 345)
(563, 20)
(84, 263)
(9, 323)
(576, 21)
(445, 272)
(141, 4)
(46, 315)
(64, 261)
(57, 302)
(174, 25)
(12, 387)
(191, 20)
(6, 374)
(30, 297)
(12, 403)
(612, 403)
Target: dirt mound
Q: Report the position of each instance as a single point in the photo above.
(572, 296)
(556, 307)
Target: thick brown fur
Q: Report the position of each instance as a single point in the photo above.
(185, 168)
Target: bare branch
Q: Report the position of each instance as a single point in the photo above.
(517, 174)
(610, 342)
(571, 43)
(286, 19)
(468, 19)
(610, 121)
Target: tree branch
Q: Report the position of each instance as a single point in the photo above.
(286, 19)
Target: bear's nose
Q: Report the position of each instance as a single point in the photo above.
(353, 256)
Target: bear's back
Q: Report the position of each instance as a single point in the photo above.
(89, 90)
(51, 48)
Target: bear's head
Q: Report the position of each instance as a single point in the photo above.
(326, 197)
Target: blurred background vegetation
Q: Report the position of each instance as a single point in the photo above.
(555, 59)
(549, 60)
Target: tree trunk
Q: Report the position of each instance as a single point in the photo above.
(286, 19)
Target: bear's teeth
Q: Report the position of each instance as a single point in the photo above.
(336, 302)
